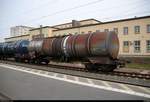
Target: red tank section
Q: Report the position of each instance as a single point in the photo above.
(94, 44)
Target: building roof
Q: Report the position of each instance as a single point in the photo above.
(24, 26)
(42, 27)
(18, 36)
(79, 21)
(121, 20)
(99, 22)
(63, 24)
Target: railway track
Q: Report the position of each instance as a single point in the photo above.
(116, 76)
(117, 73)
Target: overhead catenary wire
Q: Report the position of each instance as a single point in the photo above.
(129, 12)
(39, 6)
(76, 7)
(65, 10)
(118, 6)
(69, 9)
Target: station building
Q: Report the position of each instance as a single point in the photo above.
(133, 33)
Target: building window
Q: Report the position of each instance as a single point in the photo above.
(137, 46)
(137, 29)
(89, 31)
(148, 46)
(126, 46)
(116, 30)
(70, 25)
(125, 30)
(106, 30)
(82, 32)
(97, 30)
(76, 33)
(148, 28)
(65, 26)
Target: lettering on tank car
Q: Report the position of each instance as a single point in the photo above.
(98, 50)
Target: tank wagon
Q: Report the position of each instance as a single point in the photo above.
(97, 51)
(6, 50)
(21, 50)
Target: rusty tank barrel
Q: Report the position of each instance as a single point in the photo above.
(82, 45)
(35, 45)
(93, 44)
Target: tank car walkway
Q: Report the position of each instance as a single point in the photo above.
(23, 83)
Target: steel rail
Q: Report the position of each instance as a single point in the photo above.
(116, 76)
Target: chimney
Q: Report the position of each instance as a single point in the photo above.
(40, 29)
(75, 23)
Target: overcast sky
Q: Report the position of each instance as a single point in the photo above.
(52, 12)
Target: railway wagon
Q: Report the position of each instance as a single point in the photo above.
(16, 49)
(95, 50)
(21, 50)
(7, 50)
(1, 50)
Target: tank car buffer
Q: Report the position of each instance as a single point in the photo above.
(97, 51)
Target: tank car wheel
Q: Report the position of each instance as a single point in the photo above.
(62, 59)
(16, 59)
(45, 61)
(91, 67)
(41, 61)
(107, 68)
(21, 60)
(31, 61)
(66, 59)
(5, 58)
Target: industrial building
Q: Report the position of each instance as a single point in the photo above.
(133, 33)
(15, 38)
(19, 30)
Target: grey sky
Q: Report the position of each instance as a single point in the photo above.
(52, 12)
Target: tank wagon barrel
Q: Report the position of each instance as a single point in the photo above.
(21, 50)
(7, 49)
(15, 49)
(96, 44)
(1, 50)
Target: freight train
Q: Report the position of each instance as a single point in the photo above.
(97, 51)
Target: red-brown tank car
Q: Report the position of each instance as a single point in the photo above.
(96, 50)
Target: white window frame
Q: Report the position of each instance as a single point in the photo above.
(148, 28)
(137, 29)
(137, 46)
(148, 46)
(125, 30)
